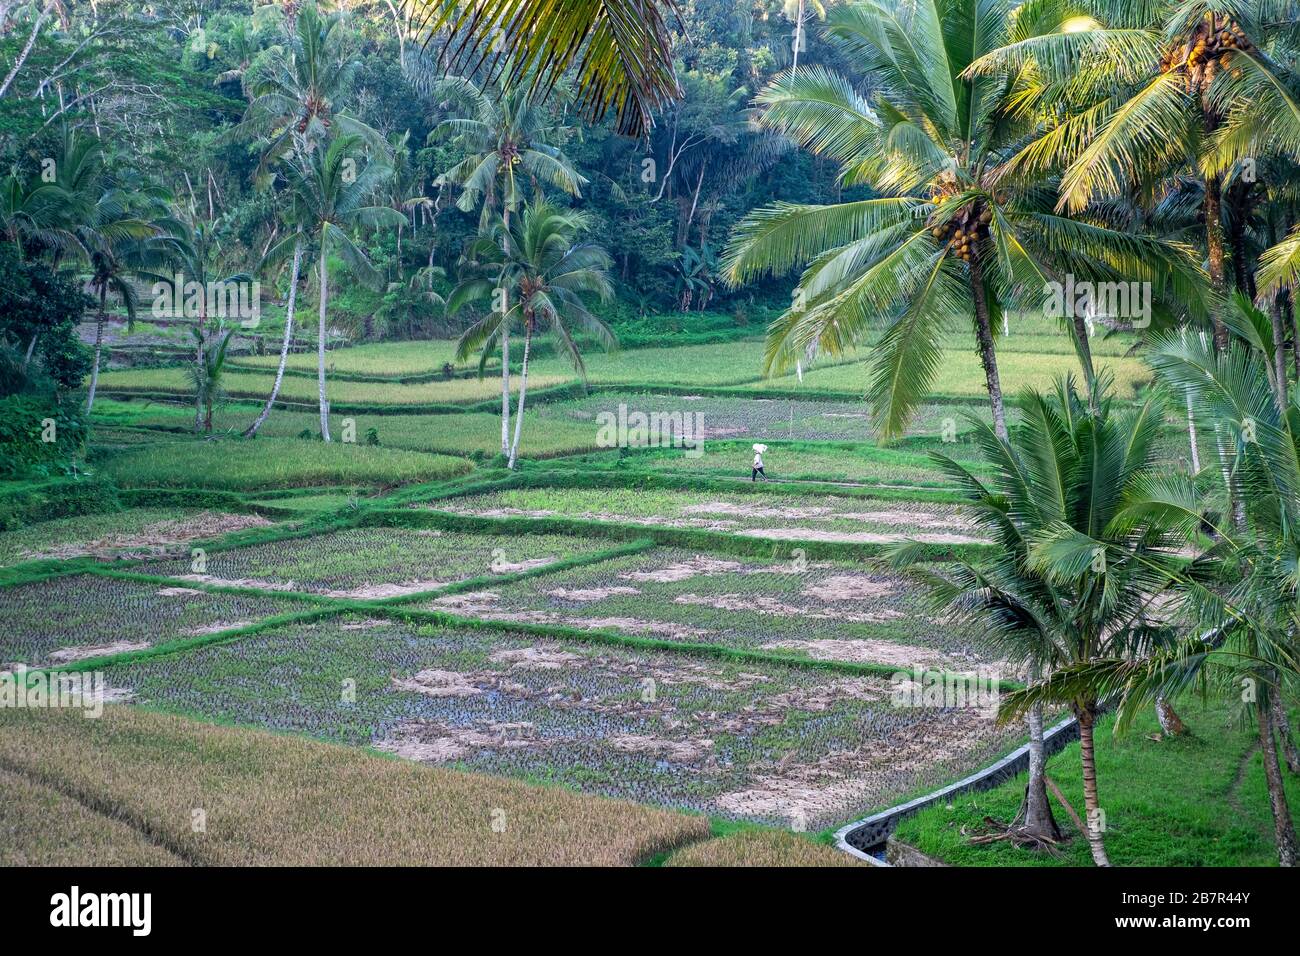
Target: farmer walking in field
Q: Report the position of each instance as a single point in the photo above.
(758, 463)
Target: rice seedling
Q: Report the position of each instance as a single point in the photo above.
(139, 532)
(778, 517)
(369, 563)
(783, 745)
(236, 465)
(961, 374)
(788, 605)
(798, 461)
(72, 618)
(731, 417)
(330, 501)
(393, 359)
(302, 390)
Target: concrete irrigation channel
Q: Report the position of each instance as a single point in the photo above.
(867, 839)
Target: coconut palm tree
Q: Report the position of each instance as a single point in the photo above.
(1070, 581)
(120, 229)
(1150, 91)
(543, 272)
(334, 187)
(508, 141)
(295, 106)
(298, 101)
(617, 52)
(120, 243)
(207, 375)
(194, 251)
(949, 231)
(1239, 595)
(292, 246)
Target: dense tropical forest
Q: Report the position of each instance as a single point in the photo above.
(769, 351)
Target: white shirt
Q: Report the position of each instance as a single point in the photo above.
(758, 461)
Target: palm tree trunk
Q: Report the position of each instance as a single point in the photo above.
(1038, 812)
(1282, 724)
(505, 360)
(1084, 349)
(320, 345)
(798, 36)
(1279, 353)
(1191, 436)
(1087, 718)
(1171, 725)
(523, 387)
(284, 347)
(984, 334)
(99, 345)
(1212, 206)
(1294, 322)
(505, 386)
(1288, 851)
(1038, 819)
(198, 365)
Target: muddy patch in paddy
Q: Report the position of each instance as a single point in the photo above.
(433, 742)
(588, 595)
(750, 510)
(438, 683)
(216, 628)
(536, 658)
(484, 604)
(762, 604)
(696, 566)
(816, 789)
(858, 537)
(850, 587)
(368, 624)
(154, 540)
(905, 656)
(371, 592)
(470, 602)
(511, 567)
(81, 652)
(691, 750)
(901, 517)
(257, 584)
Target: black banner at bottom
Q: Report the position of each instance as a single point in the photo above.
(929, 906)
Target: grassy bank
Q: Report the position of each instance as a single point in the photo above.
(235, 465)
(1197, 801)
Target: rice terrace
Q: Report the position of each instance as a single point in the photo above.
(858, 434)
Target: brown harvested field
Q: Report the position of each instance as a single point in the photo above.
(42, 827)
(761, 848)
(289, 801)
